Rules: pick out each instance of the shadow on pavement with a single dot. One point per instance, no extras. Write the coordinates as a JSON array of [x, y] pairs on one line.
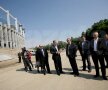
[[92, 67], [21, 69], [81, 75], [68, 69], [89, 76], [32, 72]]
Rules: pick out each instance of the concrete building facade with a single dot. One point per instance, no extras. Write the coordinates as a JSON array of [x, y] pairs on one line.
[[11, 35]]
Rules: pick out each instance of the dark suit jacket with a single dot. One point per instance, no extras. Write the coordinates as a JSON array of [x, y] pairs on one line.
[[41, 56], [80, 48], [72, 50], [105, 47], [86, 48], [99, 46], [37, 55], [53, 52]]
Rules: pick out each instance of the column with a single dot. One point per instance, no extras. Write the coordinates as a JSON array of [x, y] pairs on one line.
[[10, 38], [17, 39], [21, 41], [8, 18], [23, 36], [6, 36], [20, 29], [13, 38], [16, 24], [1, 35], [23, 32], [19, 35]]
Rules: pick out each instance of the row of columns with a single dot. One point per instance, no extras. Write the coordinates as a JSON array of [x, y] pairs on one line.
[[10, 38]]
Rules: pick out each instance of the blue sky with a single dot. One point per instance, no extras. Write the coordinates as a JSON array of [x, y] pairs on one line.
[[46, 20]]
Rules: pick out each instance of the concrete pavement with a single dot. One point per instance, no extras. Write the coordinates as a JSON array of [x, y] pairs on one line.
[[15, 78]]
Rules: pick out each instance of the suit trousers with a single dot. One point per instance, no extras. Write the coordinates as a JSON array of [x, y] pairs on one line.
[[99, 58], [73, 64], [47, 65], [57, 63], [84, 58], [106, 59]]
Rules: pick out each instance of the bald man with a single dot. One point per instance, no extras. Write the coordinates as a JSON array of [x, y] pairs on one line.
[[97, 55]]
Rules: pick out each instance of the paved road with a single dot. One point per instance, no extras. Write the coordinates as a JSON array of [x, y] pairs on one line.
[[14, 78]]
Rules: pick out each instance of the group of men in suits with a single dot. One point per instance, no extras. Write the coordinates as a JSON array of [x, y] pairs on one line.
[[42, 56], [96, 48], [42, 60]]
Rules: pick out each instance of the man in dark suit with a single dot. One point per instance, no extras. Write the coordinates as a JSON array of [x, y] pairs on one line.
[[71, 50], [37, 59], [55, 51], [97, 55], [105, 43], [43, 55], [85, 53], [79, 46]]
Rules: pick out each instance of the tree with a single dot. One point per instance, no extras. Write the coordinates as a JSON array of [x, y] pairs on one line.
[[75, 40], [62, 44], [101, 27]]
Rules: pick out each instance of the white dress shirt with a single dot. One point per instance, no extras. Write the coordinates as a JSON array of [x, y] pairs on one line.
[[56, 48], [43, 52], [83, 44], [95, 44]]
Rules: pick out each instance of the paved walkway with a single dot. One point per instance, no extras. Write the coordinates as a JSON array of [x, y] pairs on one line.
[[14, 78], [4, 57]]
